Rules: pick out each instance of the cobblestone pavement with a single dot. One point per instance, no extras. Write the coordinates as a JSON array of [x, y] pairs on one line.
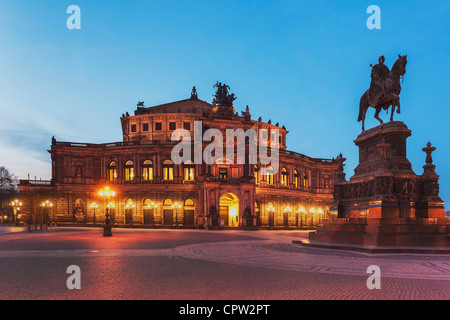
[[199, 264]]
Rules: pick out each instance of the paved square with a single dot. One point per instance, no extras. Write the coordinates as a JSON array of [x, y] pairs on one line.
[[198, 264]]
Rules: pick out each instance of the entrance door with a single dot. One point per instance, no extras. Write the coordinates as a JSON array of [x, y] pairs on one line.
[[168, 217], [223, 212], [188, 218], [112, 216], [128, 216], [286, 219], [148, 217], [229, 209]]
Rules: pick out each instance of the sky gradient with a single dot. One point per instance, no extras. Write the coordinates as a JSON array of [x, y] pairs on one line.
[[304, 64]]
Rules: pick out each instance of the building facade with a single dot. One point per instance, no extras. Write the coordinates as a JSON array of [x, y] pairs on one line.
[[154, 191]]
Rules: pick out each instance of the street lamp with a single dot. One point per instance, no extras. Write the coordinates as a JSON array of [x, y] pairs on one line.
[[16, 204], [94, 206], [152, 206], [176, 206], [271, 211], [107, 193], [129, 206], [302, 212], [287, 210], [46, 205]]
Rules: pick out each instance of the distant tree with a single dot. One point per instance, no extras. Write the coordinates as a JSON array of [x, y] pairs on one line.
[[8, 190], [8, 181]]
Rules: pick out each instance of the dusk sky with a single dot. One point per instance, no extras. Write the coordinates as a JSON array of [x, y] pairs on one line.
[[304, 64]]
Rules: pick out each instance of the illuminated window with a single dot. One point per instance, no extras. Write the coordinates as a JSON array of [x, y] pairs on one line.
[[189, 171], [223, 173], [168, 170], [256, 174], [129, 171], [269, 175], [305, 179], [284, 177], [167, 202], [147, 170], [112, 171], [296, 178], [188, 203]]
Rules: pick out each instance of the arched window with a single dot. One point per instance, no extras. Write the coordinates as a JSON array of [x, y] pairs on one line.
[[129, 171], [296, 179], [168, 170], [284, 177], [256, 174], [189, 171], [305, 179], [189, 203], [129, 203], [167, 202], [269, 175], [112, 171], [148, 203], [147, 170]]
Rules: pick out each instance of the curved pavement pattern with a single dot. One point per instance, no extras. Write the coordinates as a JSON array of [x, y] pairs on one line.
[[266, 250]]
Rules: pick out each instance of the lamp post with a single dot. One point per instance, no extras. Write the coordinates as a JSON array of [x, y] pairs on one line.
[[271, 210], [129, 206], [94, 206], [176, 206], [46, 205], [107, 193], [16, 204], [287, 210], [302, 211], [152, 207]]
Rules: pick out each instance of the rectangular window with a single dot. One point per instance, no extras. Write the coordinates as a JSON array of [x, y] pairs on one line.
[[129, 174], [186, 125], [172, 126], [223, 173], [147, 173], [158, 126], [189, 173], [112, 174], [145, 127], [168, 173], [133, 128]]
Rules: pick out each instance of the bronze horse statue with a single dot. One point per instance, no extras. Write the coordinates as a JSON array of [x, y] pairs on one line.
[[382, 98]]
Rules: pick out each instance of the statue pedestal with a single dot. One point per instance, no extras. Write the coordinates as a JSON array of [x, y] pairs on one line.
[[386, 207]]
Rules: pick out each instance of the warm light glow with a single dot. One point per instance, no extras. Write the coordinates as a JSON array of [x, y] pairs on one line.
[[312, 210], [302, 209], [320, 210]]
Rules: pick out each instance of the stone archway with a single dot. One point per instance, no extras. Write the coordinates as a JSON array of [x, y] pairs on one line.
[[229, 209]]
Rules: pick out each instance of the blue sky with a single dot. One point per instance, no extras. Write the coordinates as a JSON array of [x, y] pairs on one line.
[[303, 64]]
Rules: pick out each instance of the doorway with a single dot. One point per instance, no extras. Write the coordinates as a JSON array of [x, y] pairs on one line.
[[229, 210]]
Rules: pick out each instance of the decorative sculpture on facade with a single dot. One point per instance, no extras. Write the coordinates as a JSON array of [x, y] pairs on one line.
[[222, 97]]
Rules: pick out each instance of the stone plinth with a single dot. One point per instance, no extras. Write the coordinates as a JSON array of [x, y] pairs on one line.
[[385, 205]]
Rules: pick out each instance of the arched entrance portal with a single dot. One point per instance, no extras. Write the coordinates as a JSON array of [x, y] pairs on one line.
[[229, 210]]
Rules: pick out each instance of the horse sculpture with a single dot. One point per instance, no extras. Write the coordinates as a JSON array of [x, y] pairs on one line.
[[383, 92]]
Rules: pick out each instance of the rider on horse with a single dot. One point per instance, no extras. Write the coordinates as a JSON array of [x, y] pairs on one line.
[[379, 74]]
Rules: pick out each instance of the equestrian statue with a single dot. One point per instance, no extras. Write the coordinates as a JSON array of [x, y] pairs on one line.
[[385, 88]]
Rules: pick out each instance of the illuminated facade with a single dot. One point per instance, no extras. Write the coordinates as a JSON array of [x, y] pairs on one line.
[[151, 190]]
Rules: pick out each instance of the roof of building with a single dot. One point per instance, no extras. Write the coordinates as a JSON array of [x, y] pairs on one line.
[[182, 106]]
